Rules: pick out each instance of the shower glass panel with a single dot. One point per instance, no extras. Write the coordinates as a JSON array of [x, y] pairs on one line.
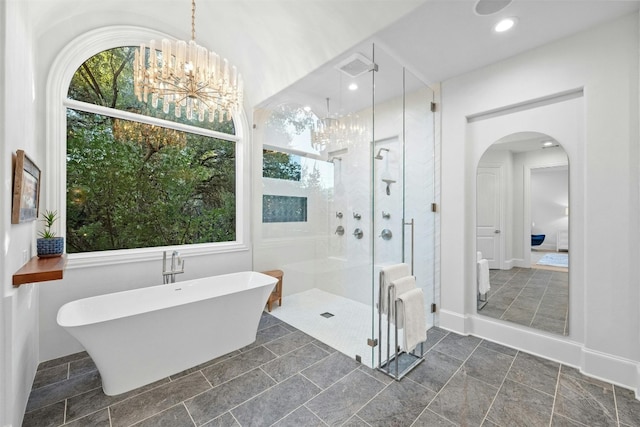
[[347, 158], [403, 180]]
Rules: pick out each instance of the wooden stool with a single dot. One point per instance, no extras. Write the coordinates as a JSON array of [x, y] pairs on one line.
[[276, 295]]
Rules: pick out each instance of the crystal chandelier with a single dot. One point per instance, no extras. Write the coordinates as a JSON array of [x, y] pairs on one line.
[[188, 77], [335, 132]]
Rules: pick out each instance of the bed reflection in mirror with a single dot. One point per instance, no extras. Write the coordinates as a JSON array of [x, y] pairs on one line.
[[522, 232]]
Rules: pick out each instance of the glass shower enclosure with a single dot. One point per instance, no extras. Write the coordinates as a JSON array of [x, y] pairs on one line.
[[348, 188]]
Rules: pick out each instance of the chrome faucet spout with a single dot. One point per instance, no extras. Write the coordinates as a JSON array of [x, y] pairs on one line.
[[177, 267], [174, 256]]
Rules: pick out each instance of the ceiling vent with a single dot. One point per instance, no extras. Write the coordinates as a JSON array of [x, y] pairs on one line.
[[355, 65]]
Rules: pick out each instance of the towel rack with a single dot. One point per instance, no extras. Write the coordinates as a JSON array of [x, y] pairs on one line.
[[412, 224], [400, 363]]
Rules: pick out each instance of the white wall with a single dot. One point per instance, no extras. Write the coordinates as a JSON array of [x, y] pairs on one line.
[[604, 291], [19, 306]]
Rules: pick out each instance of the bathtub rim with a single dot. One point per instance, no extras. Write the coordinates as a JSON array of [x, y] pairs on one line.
[[74, 319]]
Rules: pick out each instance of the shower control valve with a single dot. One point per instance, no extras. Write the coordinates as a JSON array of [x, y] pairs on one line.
[[358, 233], [338, 214], [386, 234], [357, 216]]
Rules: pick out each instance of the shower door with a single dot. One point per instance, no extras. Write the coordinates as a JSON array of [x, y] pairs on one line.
[[403, 181]]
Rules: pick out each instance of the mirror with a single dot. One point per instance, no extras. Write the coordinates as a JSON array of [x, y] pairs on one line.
[[522, 232]]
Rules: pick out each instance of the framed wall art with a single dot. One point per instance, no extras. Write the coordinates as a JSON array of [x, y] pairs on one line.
[[26, 189]]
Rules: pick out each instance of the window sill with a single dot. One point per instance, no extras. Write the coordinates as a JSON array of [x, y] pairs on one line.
[[40, 270], [131, 256]]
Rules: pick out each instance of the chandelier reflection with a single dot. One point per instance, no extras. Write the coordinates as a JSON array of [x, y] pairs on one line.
[[336, 132], [151, 136], [187, 77]]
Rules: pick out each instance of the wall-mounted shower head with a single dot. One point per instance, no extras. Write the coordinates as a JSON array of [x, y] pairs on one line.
[[334, 158], [379, 155]]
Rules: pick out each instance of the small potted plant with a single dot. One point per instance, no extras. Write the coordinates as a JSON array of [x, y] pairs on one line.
[[48, 244]]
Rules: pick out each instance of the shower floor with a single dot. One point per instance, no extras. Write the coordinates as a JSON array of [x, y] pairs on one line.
[[347, 330]]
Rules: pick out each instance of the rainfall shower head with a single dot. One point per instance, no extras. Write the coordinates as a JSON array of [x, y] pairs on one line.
[[379, 155]]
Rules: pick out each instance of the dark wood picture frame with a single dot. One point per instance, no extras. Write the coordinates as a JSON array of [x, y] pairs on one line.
[[26, 190]]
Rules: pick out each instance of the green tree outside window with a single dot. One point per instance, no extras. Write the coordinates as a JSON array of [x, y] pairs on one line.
[[134, 185]]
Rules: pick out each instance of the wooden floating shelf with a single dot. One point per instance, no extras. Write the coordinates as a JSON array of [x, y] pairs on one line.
[[40, 270]]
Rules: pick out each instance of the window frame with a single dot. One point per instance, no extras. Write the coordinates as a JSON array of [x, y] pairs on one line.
[[55, 184]]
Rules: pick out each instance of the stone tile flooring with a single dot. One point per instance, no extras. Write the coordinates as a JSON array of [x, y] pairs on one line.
[[531, 297], [287, 378]]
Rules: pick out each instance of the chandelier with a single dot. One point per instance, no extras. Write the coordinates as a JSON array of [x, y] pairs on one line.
[[335, 132], [188, 77]]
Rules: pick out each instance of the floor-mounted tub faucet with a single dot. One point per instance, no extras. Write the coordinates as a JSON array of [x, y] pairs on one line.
[[169, 276]]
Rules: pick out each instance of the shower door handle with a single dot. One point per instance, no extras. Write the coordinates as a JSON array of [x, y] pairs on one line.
[[412, 224]]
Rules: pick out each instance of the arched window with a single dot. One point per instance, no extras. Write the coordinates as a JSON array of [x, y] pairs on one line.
[[137, 177]]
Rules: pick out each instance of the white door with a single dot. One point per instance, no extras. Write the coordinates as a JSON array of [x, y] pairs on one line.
[[488, 231]]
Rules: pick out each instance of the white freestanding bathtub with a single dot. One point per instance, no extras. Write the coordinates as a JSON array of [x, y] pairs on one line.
[[139, 336]]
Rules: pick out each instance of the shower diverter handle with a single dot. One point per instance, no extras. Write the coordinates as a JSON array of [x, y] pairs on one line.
[[358, 233]]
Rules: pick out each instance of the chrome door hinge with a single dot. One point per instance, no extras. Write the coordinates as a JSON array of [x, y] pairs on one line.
[[433, 107], [434, 207], [372, 342], [433, 307]]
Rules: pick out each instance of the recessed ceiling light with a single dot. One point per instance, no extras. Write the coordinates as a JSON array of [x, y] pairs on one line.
[[353, 86], [547, 143], [504, 25]]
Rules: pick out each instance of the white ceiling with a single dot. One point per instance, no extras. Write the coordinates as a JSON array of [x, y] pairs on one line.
[[272, 42], [446, 38], [442, 39], [276, 43]]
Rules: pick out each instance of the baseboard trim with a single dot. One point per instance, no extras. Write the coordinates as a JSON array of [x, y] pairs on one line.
[[616, 370], [453, 322], [518, 262], [638, 382], [549, 346], [606, 367]]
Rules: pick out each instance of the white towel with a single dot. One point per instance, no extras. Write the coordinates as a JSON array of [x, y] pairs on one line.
[[396, 271], [483, 276], [415, 326], [387, 275], [401, 286], [478, 256]]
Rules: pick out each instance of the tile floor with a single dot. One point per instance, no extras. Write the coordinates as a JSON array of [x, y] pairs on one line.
[[346, 330], [287, 378], [533, 297]]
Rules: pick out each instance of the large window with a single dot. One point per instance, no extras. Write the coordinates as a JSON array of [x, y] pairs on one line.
[[137, 177]]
